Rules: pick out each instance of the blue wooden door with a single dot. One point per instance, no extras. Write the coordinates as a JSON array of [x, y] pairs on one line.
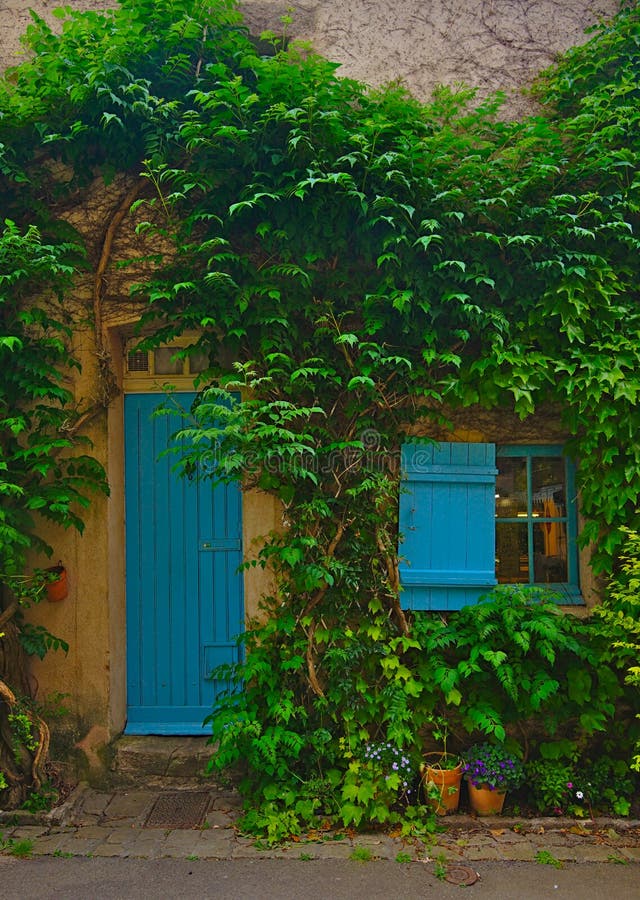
[[184, 590]]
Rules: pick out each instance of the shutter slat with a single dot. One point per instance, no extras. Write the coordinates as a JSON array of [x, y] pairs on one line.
[[444, 577], [455, 474]]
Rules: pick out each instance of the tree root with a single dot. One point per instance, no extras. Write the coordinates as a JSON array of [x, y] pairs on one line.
[[24, 768]]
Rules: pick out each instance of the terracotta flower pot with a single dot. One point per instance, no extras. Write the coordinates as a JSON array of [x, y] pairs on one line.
[[446, 780], [58, 588], [484, 801]]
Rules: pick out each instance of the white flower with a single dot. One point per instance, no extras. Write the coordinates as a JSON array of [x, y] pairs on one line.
[[579, 795]]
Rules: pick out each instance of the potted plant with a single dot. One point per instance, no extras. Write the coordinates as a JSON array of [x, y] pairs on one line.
[[441, 773], [56, 583], [491, 770]]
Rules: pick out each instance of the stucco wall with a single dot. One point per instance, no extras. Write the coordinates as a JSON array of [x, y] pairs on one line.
[[489, 44]]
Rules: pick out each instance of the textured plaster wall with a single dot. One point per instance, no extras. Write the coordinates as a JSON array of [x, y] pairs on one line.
[[489, 44], [88, 619]]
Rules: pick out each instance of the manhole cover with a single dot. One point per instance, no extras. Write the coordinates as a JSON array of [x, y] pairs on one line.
[[178, 809], [462, 875]]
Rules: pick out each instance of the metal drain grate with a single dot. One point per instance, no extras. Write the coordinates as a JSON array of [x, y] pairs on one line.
[[178, 809]]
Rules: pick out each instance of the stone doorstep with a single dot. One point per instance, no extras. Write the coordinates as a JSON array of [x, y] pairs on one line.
[[139, 758]]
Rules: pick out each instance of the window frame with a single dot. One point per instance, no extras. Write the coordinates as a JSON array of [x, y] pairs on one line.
[[569, 590], [447, 517]]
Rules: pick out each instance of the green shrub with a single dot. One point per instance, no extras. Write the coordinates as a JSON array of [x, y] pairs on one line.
[[515, 657], [591, 781], [606, 784], [619, 617], [514, 668], [550, 784]]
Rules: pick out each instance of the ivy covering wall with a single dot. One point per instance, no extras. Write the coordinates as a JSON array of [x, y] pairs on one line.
[[368, 262]]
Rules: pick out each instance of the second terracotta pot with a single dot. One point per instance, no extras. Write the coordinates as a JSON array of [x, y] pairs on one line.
[[484, 801]]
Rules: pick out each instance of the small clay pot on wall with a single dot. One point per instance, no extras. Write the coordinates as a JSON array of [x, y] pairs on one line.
[[58, 587]]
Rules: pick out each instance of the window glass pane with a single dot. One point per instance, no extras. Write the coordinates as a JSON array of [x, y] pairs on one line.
[[533, 547], [550, 553], [198, 362], [511, 487], [547, 483], [163, 362], [138, 361], [512, 563]]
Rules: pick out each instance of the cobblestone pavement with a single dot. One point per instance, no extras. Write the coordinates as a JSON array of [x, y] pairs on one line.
[[114, 824]]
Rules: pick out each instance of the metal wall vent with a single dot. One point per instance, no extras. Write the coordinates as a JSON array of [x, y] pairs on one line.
[[138, 361]]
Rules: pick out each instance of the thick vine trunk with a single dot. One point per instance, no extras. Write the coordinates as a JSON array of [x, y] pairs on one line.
[[22, 767]]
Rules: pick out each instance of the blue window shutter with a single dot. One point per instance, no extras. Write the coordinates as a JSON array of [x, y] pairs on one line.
[[447, 524]]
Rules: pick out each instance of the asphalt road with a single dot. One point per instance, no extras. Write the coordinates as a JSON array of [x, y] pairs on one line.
[[80, 878]]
